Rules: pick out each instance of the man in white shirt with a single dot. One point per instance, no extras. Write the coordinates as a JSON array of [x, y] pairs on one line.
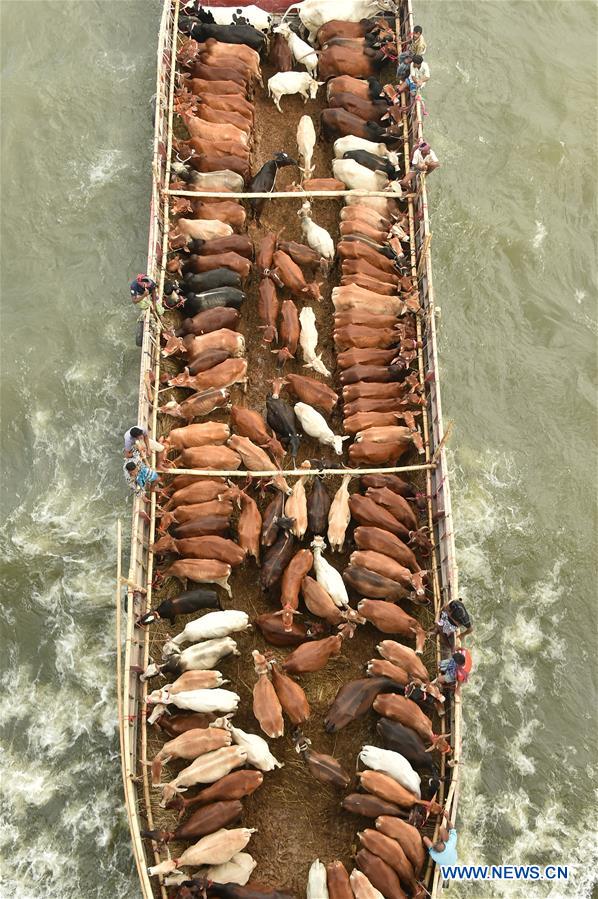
[[423, 162], [420, 71]]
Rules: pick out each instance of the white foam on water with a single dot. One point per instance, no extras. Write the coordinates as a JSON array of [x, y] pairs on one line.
[[504, 695], [539, 236]]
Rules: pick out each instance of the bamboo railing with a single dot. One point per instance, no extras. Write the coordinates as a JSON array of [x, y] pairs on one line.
[[132, 694]]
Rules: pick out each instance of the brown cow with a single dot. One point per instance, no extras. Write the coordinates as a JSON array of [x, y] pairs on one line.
[[230, 104], [280, 56], [352, 249], [340, 123], [377, 453], [213, 133], [232, 261], [368, 283], [323, 184], [365, 109], [357, 356], [229, 211], [341, 60], [362, 337], [355, 423], [232, 371], [236, 243], [214, 162], [364, 267], [220, 73], [249, 56], [204, 88], [340, 28], [290, 275], [221, 116], [363, 317]]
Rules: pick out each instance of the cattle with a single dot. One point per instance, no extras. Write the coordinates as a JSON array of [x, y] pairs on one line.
[[228, 104], [201, 87], [343, 60], [220, 73], [198, 228], [222, 63], [374, 163], [263, 181], [207, 113], [252, 15], [247, 54], [358, 177], [232, 261], [215, 162], [211, 131], [284, 83], [340, 28], [364, 109], [315, 13], [340, 123], [323, 184], [363, 229], [194, 282], [230, 211], [280, 56], [227, 34], [302, 52], [236, 243]]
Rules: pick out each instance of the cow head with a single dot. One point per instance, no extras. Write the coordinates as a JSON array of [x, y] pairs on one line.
[[313, 88], [173, 344], [283, 159], [417, 579], [164, 544]]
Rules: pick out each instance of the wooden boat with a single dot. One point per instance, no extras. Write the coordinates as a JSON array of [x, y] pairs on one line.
[[297, 818]]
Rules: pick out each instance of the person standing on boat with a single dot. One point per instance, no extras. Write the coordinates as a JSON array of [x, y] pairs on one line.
[[453, 617], [444, 850], [144, 295], [138, 442]]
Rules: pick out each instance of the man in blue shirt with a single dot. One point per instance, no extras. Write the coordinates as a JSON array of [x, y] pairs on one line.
[[444, 850]]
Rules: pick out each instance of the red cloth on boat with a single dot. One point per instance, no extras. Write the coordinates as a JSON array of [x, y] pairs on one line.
[[267, 5]]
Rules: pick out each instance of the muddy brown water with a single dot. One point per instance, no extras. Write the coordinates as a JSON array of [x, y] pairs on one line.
[[297, 818]]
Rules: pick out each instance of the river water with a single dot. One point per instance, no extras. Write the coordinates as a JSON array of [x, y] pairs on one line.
[[512, 112]]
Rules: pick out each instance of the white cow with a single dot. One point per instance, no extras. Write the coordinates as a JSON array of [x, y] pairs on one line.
[[314, 13], [309, 341], [317, 237], [358, 177], [306, 141], [302, 52], [393, 764], [226, 15], [314, 424], [216, 700], [292, 83], [350, 142]]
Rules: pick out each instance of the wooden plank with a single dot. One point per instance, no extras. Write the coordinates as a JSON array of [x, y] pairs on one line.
[[294, 472]]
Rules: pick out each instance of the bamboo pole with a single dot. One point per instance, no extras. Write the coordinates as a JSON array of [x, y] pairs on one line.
[[294, 472], [281, 194]]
